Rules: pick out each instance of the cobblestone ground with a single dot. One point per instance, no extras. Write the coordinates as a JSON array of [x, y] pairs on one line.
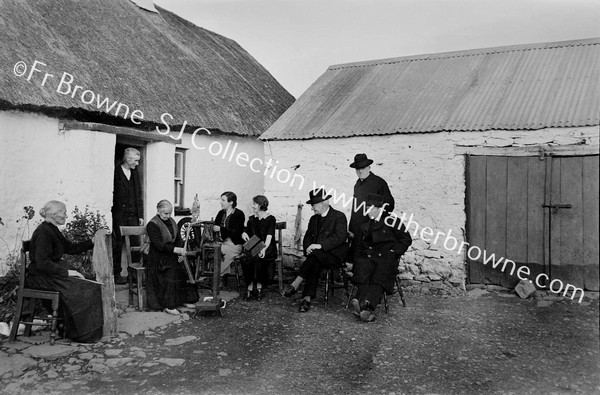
[[486, 342]]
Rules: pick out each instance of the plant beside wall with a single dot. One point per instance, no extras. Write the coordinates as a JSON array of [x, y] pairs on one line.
[[82, 226], [9, 264]]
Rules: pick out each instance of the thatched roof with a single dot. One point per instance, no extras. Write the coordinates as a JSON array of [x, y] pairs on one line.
[[154, 62], [520, 87]]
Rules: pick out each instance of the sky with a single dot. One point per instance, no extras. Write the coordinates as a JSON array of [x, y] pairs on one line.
[[296, 40]]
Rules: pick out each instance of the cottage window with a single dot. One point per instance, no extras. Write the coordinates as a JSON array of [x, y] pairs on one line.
[[179, 177]]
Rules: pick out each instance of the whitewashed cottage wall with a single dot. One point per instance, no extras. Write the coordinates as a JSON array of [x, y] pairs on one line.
[[426, 177], [210, 175], [39, 162]]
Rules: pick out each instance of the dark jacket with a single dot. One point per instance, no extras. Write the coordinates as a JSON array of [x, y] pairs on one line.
[[234, 227], [263, 228], [378, 252], [332, 233], [161, 246], [159, 241], [120, 195], [80, 301], [166, 279], [362, 189], [48, 245]]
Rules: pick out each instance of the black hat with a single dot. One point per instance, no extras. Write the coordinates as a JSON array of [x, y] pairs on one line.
[[360, 161], [317, 196], [375, 199]]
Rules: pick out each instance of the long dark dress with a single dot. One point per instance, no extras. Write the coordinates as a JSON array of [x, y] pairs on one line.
[[80, 300], [167, 282], [255, 268]]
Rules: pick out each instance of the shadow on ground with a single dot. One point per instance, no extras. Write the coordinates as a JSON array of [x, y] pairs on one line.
[[492, 343]]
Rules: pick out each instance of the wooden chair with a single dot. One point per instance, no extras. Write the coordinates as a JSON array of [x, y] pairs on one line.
[[279, 227], [330, 277], [236, 268], [330, 283], [385, 295], [135, 270], [32, 295], [400, 292]]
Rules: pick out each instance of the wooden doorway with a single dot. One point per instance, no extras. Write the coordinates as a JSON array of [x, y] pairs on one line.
[[120, 146], [538, 212]]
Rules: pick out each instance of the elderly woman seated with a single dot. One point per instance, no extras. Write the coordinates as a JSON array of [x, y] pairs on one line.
[[80, 300], [167, 286], [230, 225]]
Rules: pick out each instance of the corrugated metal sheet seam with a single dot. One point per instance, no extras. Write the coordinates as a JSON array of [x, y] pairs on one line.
[[527, 88]]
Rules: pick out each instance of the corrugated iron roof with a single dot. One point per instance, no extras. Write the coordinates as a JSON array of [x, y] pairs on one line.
[[521, 87]]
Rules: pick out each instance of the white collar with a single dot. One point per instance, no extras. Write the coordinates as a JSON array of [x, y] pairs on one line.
[[126, 172], [325, 213]]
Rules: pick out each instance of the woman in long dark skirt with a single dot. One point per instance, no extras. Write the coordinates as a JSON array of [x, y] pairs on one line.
[[80, 301], [262, 225], [167, 284]]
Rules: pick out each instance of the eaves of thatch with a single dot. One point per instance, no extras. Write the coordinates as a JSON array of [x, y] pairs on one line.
[[153, 62]]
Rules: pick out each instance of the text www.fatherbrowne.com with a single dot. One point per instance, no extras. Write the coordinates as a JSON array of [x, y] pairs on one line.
[[450, 243]]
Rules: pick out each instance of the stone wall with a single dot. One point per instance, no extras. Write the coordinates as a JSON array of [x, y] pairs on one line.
[[426, 177]]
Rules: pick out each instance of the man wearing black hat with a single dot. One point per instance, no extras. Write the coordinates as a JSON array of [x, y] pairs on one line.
[[324, 246], [377, 253], [366, 184]]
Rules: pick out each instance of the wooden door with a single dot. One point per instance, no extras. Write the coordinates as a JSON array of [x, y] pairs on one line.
[[573, 231], [506, 217]]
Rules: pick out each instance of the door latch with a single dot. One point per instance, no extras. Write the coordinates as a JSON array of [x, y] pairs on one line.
[[556, 207]]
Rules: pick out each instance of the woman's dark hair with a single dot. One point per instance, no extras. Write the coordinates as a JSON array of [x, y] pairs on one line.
[[262, 201], [231, 198]]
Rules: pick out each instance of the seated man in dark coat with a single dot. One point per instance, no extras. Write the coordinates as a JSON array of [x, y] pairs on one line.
[[376, 257], [324, 244]]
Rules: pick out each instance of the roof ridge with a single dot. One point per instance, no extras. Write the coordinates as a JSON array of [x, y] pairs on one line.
[[468, 53]]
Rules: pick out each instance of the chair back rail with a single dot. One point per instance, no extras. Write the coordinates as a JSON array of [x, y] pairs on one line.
[[135, 270], [32, 295], [280, 226], [128, 232], [24, 251]]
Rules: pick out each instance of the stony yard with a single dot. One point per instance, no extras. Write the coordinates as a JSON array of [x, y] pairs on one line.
[[486, 342]]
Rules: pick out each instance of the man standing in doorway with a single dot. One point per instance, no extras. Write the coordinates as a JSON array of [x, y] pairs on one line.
[[366, 184], [127, 204]]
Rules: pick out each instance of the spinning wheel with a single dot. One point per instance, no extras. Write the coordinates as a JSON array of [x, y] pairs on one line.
[[198, 260], [190, 236]]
